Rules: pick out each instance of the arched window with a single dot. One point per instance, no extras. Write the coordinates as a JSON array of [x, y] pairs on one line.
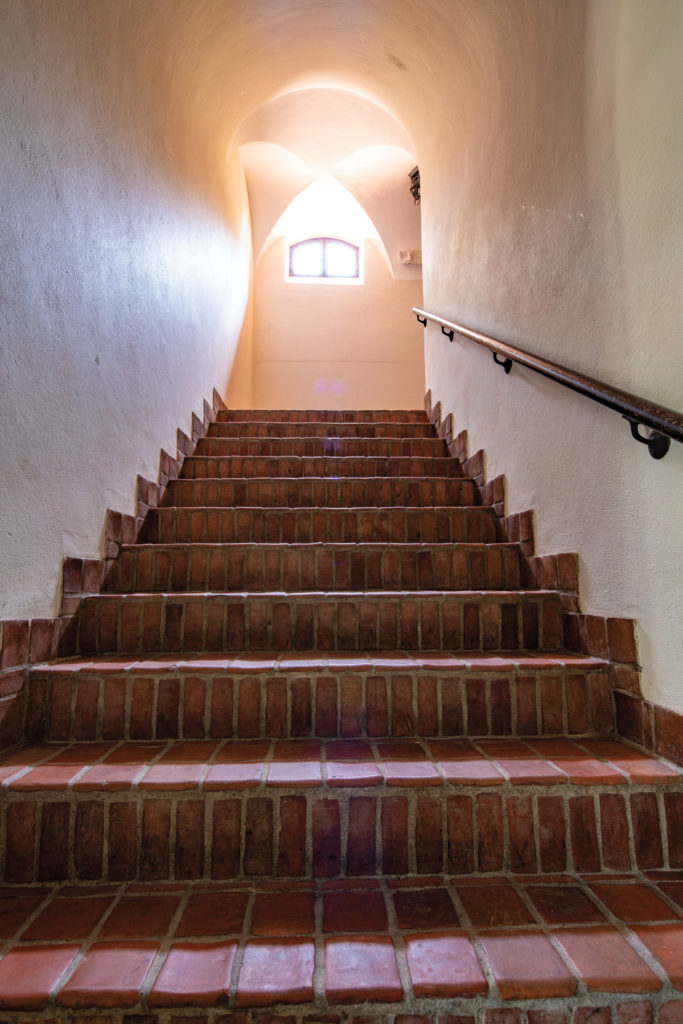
[[324, 258]]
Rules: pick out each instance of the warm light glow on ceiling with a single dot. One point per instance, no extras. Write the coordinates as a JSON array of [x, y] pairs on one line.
[[324, 208]]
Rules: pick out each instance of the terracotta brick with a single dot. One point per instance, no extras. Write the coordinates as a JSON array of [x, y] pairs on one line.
[[225, 851], [109, 976], [614, 829], [494, 905], [20, 842], [526, 706], [326, 707], [394, 812], [444, 964], [427, 707], [459, 816], [592, 1015], [526, 966], [283, 913], [671, 1012], [552, 833], [213, 913], [326, 838], [155, 843], [276, 970], [199, 973], [428, 835], [189, 844], [673, 805], [583, 833], [249, 708], [89, 840], [221, 707], [123, 840], [621, 640], [668, 727], [360, 968], [490, 828], [646, 830], [605, 960], [351, 706], [141, 709], [292, 839], [258, 836], [522, 834], [29, 975]]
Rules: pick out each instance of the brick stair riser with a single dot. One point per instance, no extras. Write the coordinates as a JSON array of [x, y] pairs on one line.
[[202, 468], [579, 1009], [329, 832], [305, 526], [317, 493], [363, 431], [254, 567], [598, 1007], [511, 621], [195, 705], [316, 447], [321, 416]]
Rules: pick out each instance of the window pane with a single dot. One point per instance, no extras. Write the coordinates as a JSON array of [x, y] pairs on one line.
[[306, 259], [341, 259]]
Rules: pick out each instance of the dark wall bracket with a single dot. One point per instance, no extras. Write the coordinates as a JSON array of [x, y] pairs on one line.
[[658, 445], [505, 363]]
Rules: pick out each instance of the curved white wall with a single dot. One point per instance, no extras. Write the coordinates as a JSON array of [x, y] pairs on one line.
[[122, 292], [555, 224]]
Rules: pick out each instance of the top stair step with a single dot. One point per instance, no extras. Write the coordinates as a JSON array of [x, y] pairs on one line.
[[323, 415]]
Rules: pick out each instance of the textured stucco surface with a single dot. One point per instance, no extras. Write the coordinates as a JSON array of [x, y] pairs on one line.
[[548, 137], [333, 345]]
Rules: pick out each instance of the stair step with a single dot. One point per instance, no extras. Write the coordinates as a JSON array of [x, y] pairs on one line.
[[314, 447], [278, 430], [317, 492], [244, 808], [475, 524], [428, 947], [324, 695], [322, 416], [525, 620], [292, 567], [326, 466]]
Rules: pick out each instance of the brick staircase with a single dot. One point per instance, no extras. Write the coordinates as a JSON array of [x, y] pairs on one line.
[[315, 752]]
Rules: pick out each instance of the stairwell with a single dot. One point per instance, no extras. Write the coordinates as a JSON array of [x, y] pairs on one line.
[[318, 752]]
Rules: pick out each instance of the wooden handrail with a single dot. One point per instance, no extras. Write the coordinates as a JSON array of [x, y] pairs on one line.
[[665, 423]]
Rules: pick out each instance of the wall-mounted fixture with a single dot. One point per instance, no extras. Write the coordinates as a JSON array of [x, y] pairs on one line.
[[415, 185], [410, 256]]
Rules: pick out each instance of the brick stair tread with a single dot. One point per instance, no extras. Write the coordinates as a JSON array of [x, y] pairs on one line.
[[275, 429], [307, 446], [215, 764], [235, 467], [424, 945], [350, 492], [338, 566], [385, 524]]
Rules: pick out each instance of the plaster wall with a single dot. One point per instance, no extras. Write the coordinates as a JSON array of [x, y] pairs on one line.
[[548, 139], [122, 290], [339, 346], [555, 224]]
